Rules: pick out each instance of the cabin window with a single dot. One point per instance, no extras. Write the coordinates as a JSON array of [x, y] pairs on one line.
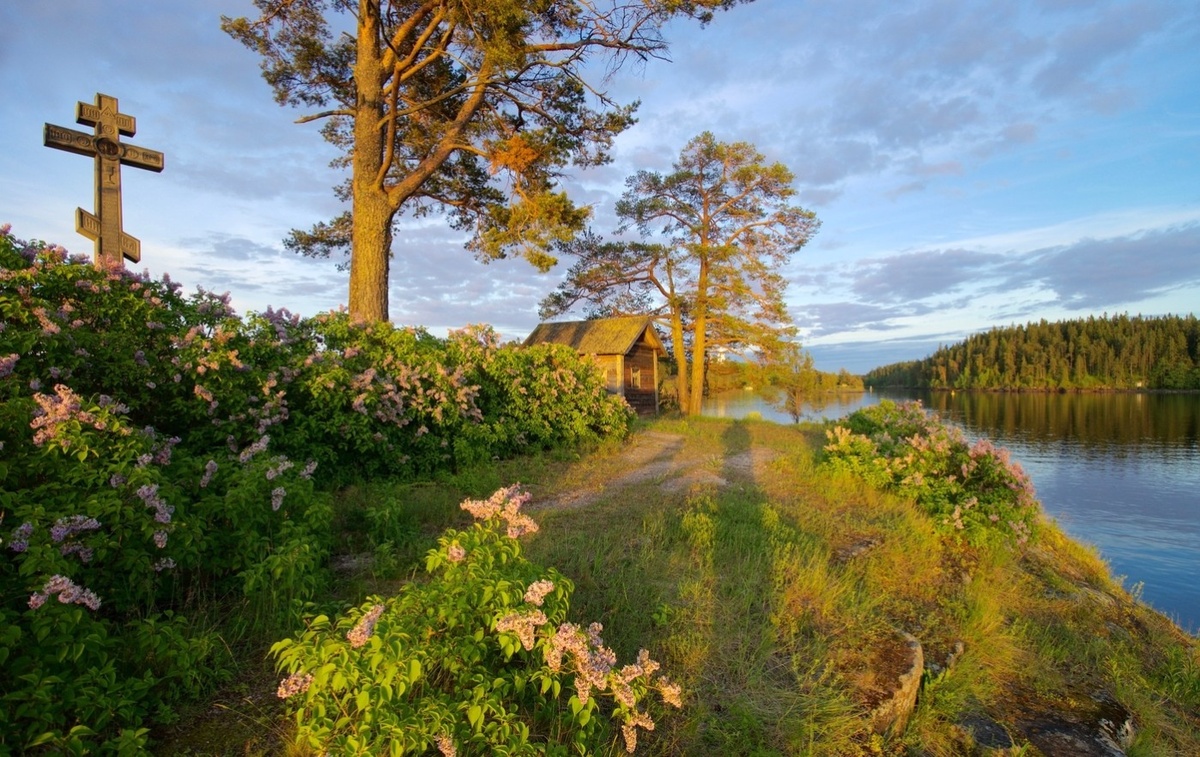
[[613, 382], [635, 378]]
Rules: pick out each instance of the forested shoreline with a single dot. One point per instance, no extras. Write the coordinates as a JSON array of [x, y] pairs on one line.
[[1106, 353]]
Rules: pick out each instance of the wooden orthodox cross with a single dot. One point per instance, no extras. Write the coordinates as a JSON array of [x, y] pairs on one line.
[[104, 228]]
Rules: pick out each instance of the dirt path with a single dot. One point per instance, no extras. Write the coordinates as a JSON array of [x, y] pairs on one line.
[[662, 458]]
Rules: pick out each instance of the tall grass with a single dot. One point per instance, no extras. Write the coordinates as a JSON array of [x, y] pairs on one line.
[[771, 597]]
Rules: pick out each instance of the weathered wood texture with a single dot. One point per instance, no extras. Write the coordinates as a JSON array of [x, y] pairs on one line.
[[103, 227], [626, 349]]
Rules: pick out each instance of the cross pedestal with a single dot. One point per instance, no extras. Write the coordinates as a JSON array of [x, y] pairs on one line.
[[110, 153]]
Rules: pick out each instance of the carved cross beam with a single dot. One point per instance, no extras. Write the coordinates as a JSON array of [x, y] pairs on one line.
[[110, 153]]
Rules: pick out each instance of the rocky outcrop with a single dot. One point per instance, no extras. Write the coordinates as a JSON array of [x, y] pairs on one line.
[[1105, 729], [891, 715]]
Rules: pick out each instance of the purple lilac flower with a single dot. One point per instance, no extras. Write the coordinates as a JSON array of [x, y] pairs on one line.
[[68, 593], [445, 745], [116, 407], [523, 624], [296, 683], [164, 564], [162, 456], [20, 537], [277, 495], [49, 327], [65, 528], [210, 470], [537, 591], [7, 363], [255, 448], [308, 470], [149, 495], [85, 553], [55, 410], [160, 539], [279, 321], [282, 465], [364, 627]]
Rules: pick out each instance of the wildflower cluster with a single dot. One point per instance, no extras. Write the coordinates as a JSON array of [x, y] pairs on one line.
[[975, 489]]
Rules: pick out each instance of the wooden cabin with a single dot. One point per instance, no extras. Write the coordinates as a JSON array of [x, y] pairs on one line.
[[627, 350]]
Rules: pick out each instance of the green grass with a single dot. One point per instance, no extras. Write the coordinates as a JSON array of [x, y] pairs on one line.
[[774, 597]]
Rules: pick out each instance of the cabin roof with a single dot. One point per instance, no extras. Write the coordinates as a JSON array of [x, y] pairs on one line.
[[601, 336]]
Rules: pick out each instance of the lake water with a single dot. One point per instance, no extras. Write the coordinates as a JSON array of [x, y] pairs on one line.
[[1120, 471]]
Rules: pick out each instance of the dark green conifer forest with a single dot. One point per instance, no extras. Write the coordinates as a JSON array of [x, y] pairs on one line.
[[1096, 353]]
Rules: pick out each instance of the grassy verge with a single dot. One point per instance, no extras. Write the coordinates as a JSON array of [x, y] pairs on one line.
[[775, 592]]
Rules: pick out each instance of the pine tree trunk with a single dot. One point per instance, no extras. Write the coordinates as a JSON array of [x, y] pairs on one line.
[[699, 346], [699, 337], [371, 244], [681, 365]]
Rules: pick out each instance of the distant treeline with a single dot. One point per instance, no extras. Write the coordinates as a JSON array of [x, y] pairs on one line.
[[731, 374], [1109, 352]]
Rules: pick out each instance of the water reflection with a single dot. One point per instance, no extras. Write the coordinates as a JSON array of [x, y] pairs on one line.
[[1120, 471], [1088, 420]]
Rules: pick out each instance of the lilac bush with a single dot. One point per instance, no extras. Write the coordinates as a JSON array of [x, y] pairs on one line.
[[975, 490], [532, 398], [160, 454], [479, 657]]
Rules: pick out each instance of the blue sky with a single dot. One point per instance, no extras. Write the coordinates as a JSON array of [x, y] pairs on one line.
[[974, 163]]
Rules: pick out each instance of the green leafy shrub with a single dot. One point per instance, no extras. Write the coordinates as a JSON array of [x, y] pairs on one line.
[[475, 658], [973, 489], [91, 549], [532, 398]]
